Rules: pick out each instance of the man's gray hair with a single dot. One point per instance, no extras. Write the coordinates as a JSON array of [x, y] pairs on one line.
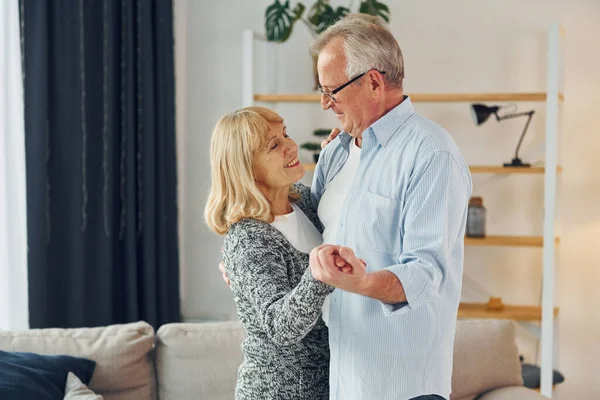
[[368, 44]]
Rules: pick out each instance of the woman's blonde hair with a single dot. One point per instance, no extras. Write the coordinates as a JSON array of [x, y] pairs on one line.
[[234, 193]]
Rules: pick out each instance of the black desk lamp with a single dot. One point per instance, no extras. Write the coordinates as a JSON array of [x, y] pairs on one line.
[[481, 113]]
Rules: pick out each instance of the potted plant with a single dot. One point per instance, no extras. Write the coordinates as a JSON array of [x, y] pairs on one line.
[[315, 147], [280, 19]]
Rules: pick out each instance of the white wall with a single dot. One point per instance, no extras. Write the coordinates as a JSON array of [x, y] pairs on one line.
[[458, 46]]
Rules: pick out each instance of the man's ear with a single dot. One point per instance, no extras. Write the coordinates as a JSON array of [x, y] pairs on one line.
[[375, 81]]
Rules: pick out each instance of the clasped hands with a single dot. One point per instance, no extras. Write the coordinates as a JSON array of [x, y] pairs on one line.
[[334, 265], [338, 266]]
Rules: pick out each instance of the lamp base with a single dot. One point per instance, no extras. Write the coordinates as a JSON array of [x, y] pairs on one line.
[[516, 162]]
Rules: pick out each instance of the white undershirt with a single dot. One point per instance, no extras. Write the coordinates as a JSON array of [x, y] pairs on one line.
[[298, 230], [331, 202], [330, 205]]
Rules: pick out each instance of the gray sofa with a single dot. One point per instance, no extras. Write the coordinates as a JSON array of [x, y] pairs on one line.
[[200, 360]]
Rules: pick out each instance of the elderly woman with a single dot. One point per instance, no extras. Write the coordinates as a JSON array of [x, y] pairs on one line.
[[270, 227]]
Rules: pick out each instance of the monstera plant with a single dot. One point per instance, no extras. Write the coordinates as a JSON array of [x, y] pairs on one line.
[[280, 19]]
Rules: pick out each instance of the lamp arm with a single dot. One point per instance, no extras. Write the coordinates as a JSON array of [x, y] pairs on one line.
[[508, 116], [530, 113]]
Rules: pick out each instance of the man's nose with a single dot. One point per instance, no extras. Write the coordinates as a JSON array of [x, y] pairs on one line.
[[325, 102]]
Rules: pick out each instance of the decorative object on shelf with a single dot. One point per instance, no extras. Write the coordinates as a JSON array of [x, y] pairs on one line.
[[476, 218], [481, 113], [314, 146], [495, 304], [280, 19]]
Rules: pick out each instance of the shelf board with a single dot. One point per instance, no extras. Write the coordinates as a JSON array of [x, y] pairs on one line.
[[497, 240], [511, 312], [495, 169], [486, 169], [418, 97]]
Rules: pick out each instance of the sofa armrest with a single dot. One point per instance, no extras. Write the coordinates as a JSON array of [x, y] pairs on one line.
[[512, 393], [122, 352]]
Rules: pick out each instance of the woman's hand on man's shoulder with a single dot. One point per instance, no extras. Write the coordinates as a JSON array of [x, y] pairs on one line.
[[332, 135]]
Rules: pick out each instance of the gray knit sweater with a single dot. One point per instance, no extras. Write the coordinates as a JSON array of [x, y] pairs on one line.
[[286, 350]]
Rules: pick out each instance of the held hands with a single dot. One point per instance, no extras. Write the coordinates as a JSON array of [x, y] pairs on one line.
[[338, 266], [327, 263]]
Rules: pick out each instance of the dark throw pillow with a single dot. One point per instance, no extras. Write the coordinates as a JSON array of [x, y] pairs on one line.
[[29, 376], [531, 376]]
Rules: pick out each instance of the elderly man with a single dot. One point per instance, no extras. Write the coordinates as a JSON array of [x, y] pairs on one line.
[[394, 188]]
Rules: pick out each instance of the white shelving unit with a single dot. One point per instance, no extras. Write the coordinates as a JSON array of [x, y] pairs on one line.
[[541, 321]]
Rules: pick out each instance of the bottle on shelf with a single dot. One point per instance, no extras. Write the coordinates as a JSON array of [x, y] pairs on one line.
[[476, 218]]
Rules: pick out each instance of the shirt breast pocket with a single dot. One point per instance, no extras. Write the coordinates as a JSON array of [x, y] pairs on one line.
[[381, 224]]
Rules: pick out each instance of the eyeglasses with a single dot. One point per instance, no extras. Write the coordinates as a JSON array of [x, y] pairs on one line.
[[335, 91]]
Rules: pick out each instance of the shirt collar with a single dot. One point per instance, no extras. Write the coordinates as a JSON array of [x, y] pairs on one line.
[[385, 127], [345, 138]]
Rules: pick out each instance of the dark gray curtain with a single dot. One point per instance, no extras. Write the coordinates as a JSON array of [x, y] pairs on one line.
[[101, 162]]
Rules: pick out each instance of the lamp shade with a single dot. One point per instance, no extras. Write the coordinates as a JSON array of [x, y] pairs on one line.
[[481, 113]]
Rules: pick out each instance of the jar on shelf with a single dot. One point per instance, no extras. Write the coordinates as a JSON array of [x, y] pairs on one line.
[[476, 218]]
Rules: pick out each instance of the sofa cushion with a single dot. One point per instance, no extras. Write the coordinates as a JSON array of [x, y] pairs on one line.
[[124, 368], [40, 377], [485, 358], [77, 390], [198, 360]]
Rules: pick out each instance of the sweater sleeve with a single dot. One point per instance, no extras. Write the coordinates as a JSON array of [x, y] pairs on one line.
[[257, 270]]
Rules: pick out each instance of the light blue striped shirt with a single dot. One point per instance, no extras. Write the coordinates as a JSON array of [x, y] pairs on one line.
[[405, 212]]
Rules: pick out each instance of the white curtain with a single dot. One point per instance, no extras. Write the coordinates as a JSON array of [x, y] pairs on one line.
[[14, 314]]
